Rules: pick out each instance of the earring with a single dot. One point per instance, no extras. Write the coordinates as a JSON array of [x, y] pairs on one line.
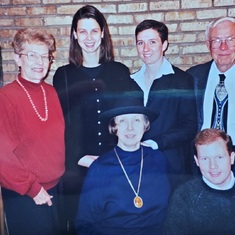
[[75, 35]]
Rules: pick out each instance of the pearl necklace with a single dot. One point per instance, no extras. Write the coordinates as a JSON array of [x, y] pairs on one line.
[[32, 103], [138, 201]]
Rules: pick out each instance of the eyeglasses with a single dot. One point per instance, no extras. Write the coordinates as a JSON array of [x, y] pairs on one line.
[[34, 57], [216, 43]]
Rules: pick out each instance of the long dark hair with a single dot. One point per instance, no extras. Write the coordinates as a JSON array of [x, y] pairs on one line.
[[106, 47]]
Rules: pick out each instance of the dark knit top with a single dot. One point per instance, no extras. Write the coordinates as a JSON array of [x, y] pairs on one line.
[[195, 208], [83, 93], [106, 202], [32, 152]]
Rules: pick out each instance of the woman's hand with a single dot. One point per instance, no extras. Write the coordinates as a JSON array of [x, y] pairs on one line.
[[43, 198], [87, 160]]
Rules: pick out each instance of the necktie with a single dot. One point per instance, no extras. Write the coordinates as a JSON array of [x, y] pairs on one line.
[[220, 89], [219, 117]]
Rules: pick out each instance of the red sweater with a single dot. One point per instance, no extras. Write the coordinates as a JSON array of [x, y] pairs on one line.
[[32, 152]]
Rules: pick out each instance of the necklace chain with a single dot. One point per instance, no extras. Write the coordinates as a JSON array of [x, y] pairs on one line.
[[32, 103], [140, 175]]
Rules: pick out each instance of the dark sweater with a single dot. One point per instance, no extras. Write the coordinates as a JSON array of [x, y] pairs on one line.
[[106, 203], [195, 208], [84, 93]]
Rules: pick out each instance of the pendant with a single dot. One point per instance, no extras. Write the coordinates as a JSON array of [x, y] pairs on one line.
[[138, 202]]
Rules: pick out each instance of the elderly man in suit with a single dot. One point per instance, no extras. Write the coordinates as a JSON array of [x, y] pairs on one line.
[[214, 81]]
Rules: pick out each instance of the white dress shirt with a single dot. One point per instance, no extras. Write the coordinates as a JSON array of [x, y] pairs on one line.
[[229, 83], [166, 68]]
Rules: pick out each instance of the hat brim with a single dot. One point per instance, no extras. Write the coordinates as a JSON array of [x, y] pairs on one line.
[[108, 115]]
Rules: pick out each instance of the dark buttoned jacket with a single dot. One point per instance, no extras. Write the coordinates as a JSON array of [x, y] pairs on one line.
[[172, 95], [200, 75]]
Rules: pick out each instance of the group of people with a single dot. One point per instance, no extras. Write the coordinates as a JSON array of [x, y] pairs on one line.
[[103, 151]]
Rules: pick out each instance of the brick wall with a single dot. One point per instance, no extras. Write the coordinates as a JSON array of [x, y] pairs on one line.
[[186, 20]]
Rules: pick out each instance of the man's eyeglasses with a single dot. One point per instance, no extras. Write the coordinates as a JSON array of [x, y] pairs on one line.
[[34, 57], [216, 43]]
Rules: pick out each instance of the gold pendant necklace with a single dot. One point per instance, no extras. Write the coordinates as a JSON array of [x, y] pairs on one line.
[[138, 201], [43, 119]]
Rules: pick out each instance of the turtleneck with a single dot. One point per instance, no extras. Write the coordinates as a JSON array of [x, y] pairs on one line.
[[32, 149], [28, 84], [129, 158], [229, 186]]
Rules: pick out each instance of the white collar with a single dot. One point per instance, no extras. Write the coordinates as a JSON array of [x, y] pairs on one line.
[[166, 68], [139, 78], [229, 186]]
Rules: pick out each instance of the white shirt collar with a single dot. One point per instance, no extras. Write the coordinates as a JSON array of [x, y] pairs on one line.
[[214, 71], [229, 186], [138, 77], [166, 68], [229, 74]]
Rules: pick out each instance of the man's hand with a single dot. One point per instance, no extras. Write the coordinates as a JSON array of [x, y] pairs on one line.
[[43, 198]]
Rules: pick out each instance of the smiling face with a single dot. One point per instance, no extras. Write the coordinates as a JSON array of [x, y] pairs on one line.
[[224, 56], [130, 129], [89, 35], [150, 47], [215, 162], [31, 70]]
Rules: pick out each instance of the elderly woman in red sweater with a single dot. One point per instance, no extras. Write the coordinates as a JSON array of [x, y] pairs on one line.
[[32, 139]]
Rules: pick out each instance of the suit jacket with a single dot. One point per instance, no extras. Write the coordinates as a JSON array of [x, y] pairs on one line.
[[172, 96], [200, 75]]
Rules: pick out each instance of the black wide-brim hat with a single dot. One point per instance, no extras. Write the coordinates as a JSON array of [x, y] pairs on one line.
[[127, 104]]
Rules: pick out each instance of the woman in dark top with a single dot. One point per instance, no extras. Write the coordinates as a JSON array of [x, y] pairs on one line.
[[126, 190], [83, 86]]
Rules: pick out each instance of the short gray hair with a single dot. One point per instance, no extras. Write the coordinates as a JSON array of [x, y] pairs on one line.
[[214, 23]]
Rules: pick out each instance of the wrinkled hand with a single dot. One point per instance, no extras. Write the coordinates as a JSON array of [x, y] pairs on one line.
[[87, 160], [43, 198], [145, 144], [150, 143]]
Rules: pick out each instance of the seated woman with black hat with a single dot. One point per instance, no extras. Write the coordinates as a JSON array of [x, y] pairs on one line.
[[126, 190]]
